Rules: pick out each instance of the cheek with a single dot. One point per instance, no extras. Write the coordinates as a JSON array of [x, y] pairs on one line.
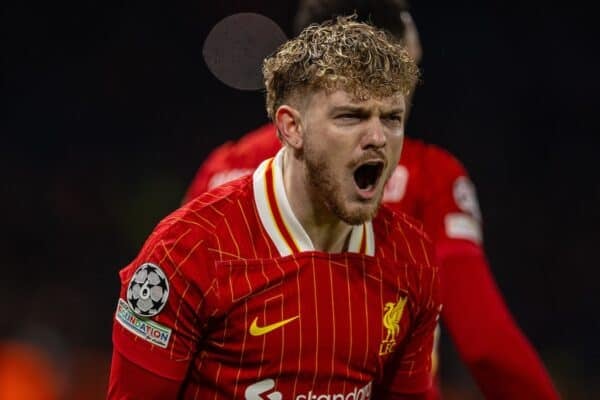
[[335, 146], [395, 144]]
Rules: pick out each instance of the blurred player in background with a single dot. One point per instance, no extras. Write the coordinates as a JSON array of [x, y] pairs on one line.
[[284, 284], [432, 186]]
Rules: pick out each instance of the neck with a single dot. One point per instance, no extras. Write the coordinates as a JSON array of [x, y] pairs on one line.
[[326, 231]]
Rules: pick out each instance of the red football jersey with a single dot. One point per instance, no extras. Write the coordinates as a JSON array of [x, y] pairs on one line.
[[431, 186], [229, 296]]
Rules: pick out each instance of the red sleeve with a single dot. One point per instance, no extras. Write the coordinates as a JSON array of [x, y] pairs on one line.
[[500, 358], [154, 387], [163, 306]]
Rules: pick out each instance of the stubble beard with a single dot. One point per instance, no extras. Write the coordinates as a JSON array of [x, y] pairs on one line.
[[322, 182]]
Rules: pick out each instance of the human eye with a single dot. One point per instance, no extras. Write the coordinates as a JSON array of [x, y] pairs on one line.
[[395, 119], [348, 118]]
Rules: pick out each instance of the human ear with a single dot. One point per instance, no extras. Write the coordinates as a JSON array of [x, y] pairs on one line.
[[289, 126]]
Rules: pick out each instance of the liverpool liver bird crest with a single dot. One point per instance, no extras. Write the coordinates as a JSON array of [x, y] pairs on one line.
[[392, 314]]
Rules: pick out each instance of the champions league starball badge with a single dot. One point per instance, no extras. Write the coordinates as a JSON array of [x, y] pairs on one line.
[[148, 290]]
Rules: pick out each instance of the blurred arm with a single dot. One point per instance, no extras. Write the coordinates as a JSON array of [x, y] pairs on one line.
[[500, 358]]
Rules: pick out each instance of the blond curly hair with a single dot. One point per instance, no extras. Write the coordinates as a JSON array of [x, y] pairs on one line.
[[338, 54]]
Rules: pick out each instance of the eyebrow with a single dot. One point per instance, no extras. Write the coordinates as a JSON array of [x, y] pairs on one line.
[[351, 109], [362, 110], [397, 110]]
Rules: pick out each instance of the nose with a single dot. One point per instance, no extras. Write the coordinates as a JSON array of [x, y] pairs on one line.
[[375, 134]]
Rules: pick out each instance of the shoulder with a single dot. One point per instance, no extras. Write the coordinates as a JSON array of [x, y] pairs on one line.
[[234, 159], [439, 177], [448, 197], [181, 242], [431, 157], [263, 136], [206, 212], [201, 218], [398, 220], [404, 234], [407, 253], [250, 149], [253, 147]]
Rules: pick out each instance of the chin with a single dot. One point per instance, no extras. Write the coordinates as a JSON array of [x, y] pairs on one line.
[[358, 214]]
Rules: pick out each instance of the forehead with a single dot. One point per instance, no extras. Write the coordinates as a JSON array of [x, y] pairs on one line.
[[342, 99]]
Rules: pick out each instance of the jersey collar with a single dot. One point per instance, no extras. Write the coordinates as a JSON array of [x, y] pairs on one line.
[[279, 220]]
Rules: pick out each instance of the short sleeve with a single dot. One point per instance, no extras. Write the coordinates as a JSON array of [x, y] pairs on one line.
[[164, 302]]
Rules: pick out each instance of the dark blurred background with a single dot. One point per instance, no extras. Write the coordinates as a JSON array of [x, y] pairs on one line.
[[108, 109]]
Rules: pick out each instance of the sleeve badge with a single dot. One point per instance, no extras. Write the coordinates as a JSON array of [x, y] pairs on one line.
[[148, 290], [465, 197]]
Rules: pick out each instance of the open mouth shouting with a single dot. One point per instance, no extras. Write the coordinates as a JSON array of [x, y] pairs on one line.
[[366, 177]]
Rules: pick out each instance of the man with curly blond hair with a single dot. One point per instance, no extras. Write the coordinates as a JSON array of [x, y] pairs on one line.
[[293, 283], [433, 186]]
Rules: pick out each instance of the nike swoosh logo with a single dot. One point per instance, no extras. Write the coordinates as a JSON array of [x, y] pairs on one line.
[[256, 330]]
